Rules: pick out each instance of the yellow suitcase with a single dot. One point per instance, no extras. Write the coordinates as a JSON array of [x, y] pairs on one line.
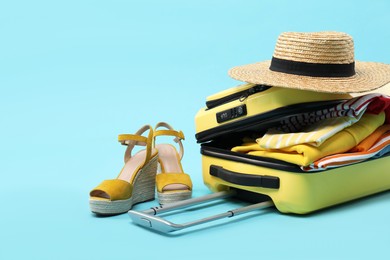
[[237, 112], [290, 189]]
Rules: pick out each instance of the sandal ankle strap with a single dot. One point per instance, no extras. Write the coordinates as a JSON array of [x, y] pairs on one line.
[[132, 140], [179, 135]]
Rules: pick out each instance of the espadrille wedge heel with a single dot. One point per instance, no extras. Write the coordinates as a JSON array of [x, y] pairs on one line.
[[172, 183], [135, 183]]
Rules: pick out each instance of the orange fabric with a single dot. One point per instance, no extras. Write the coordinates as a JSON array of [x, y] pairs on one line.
[[367, 143], [379, 148]]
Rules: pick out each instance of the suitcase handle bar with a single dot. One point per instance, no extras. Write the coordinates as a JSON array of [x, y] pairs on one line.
[[244, 179], [149, 219]]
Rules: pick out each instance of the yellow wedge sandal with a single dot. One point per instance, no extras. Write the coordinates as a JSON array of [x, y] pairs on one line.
[[136, 181], [172, 183]]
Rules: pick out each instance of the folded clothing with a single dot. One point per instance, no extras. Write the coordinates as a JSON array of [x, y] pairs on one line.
[[316, 127], [314, 135], [306, 154], [374, 146], [369, 142]]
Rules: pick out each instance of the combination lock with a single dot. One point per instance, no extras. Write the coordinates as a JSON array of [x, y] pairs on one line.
[[231, 113]]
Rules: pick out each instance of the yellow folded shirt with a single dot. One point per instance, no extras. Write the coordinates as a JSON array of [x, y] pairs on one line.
[[305, 154]]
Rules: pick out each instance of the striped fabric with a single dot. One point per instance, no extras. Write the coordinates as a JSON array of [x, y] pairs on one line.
[[374, 146], [315, 127]]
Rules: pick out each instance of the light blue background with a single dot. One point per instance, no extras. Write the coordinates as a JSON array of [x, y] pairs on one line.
[[74, 74]]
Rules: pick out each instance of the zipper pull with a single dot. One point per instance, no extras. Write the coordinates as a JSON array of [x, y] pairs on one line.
[[243, 96], [250, 91], [253, 90]]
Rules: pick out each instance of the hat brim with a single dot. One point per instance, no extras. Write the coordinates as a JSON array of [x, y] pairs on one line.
[[369, 76]]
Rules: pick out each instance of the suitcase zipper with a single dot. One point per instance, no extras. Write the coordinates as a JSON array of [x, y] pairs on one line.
[[266, 120], [226, 154], [241, 96]]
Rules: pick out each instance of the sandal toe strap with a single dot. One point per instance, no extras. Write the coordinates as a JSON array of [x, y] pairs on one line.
[[164, 179], [113, 190]]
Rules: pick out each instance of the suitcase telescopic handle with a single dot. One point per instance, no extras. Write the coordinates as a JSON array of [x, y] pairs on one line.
[[244, 179], [149, 219]]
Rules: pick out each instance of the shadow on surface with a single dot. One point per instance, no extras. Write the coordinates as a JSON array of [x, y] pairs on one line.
[[345, 206]]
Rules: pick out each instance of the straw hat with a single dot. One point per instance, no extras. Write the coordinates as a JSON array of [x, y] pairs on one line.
[[320, 61]]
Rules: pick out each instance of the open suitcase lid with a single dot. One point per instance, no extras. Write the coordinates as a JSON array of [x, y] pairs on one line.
[[253, 107]]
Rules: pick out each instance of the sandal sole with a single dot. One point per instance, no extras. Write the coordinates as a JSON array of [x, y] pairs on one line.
[[171, 197]]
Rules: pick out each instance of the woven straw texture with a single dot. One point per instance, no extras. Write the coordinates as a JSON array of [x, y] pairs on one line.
[[321, 48]]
